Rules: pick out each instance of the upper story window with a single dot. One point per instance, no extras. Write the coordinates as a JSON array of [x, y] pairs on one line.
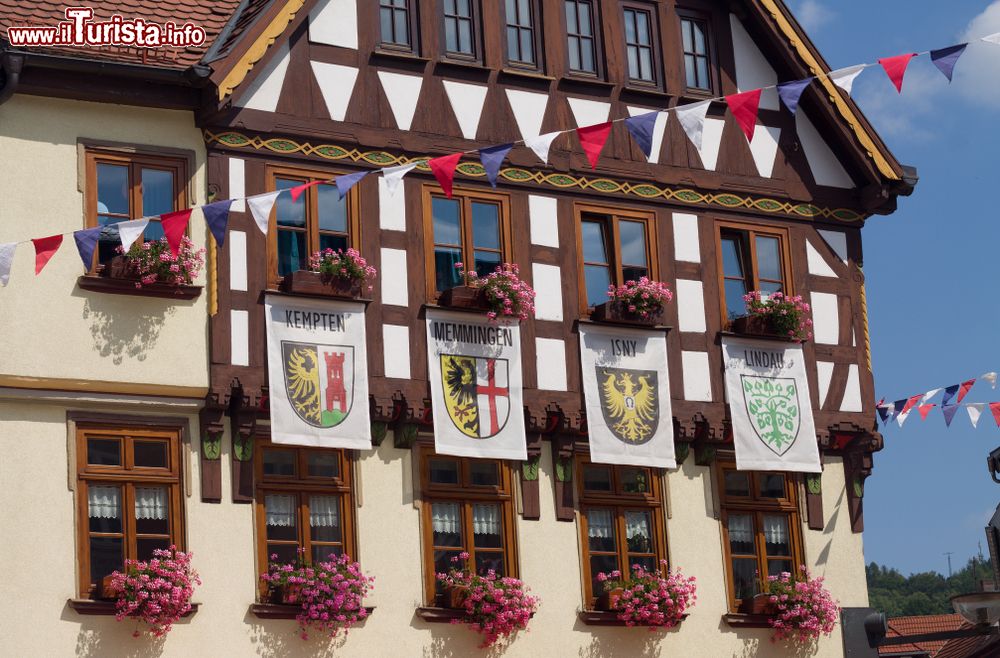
[[582, 40], [696, 46], [640, 43], [760, 523], [752, 259], [522, 34], [621, 515], [615, 247], [467, 506], [304, 504], [398, 25], [471, 228], [461, 29], [129, 498], [124, 186], [319, 219]]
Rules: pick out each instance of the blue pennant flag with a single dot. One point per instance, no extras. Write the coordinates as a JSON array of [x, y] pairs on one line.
[[949, 393], [946, 58], [641, 128], [86, 242], [217, 218], [897, 408], [949, 413], [347, 181], [791, 92], [492, 157], [883, 412]]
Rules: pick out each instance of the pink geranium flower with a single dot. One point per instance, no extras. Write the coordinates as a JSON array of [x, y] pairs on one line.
[[657, 599], [156, 592]]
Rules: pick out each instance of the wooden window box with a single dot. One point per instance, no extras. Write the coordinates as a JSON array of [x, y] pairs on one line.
[[604, 618], [107, 608], [439, 615], [115, 286], [465, 298], [617, 313], [282, 611], [306, 282], [755, 336], [741, 620]]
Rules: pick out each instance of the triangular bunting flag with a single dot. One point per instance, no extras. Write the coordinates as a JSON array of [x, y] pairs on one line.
[[895, 68], [925, 409], [692, 120], [928, 395], [129, 232], [6, 260], [946, 58], [641, 128], [791, 92], [883, 411], [949, 393], [949, 413], [992, 38], [541, 144], [991, 377], [174, 226], [443, 169], [394, 176], [491, 158], [217, 217], [964, 389], [995, 408], [897, 408], [844, 78], [744, 107], [45, 248], [260, 208], [975, 411], [298, 190], [592, 139], [86, 242], [347, 181], [907, 408]]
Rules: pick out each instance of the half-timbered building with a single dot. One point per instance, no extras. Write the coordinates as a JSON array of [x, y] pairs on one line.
[[132, 422]]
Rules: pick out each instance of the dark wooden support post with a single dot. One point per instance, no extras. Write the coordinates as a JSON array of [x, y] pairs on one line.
[[857, 468], [530, 502], [244, 421], [814, 500], [562, 461], [212, 427]]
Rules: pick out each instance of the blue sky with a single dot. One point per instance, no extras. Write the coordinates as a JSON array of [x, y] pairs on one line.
[[931, 268]]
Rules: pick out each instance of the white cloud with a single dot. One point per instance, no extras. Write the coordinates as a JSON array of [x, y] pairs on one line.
[[980, 65], [813, 15]]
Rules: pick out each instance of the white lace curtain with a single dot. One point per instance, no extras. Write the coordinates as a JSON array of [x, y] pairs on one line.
[[103, 502], [324, 511], [637, 525], [280, 510], [445, 518], [740, 528], [600, 524], [776, 530], [151, 503], [486, 519]]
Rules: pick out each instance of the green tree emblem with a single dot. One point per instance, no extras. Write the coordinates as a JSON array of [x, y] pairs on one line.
[[773, 407]]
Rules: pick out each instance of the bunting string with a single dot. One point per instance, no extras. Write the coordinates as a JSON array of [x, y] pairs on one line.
[[950, 403]]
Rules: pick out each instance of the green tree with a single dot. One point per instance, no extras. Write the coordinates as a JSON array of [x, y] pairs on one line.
[[925, 593]]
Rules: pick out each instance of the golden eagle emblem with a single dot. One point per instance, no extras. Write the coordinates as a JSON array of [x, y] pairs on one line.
[[630, 403]]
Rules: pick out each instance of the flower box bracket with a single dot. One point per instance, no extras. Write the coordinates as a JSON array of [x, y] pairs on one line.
[[113, 286], [607, 618], [282, 611], [107, 608]]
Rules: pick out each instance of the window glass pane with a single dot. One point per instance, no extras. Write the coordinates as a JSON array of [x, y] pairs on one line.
[[634, 480], [104, 508], [483, 474], [646, 64], [104, 452], [323, 464], [772, 485], [335, 242], [646, 562], [402, 29], [599, 564], [291, 251], [524, 15], [286, 553], [587, 54], [150, 454], [527, 47], [106, 555], [279, 462], [634, 273], [465, 37], [486, 262], [445, 214], [777, 567], [735, 305], [585, 21], [485, 225], [776, 539], [324, 518], [690, 72], [290, 213], [445, 272], [703, 78], [732, 258], [630, 26], [594, 242], [633, 239], [741, 539], [322, 553], [573, 47], [596, 478], [745, 578], [332, 209], [385, 24], [513, 53], [444, 471], [152, 510], [601, 529], [571, 25], [737, 483], [769, 287], [281, 517], [442, 563], [487, 526], [768, 258], [144, 546], [446, 523], [597, 278], [642, 28], [686, 30], [112, 189], [157, 192], [487, 561], [698, 28], [451, 35], [633, 63], [639, 532]]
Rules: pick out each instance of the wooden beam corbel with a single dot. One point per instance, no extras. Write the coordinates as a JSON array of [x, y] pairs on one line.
[[212, 427], [531, 508], [814, 500], [858, 464], [243, 418], [563, 447]]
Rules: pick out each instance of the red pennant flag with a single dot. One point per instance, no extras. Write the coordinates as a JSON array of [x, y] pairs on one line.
[[912, 402], [925, 409], [444, 170], [963, 390], [174, 225], [592, 139], [299, 189], [744, 107], [44, 249], [995, 408], [895, 68]]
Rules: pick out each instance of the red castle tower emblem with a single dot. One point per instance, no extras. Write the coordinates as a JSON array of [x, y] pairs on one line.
[[335, 382]]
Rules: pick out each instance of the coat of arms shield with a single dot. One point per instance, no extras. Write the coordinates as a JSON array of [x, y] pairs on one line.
[[319, 381], [476, 394], [630, 403], [772, 405]]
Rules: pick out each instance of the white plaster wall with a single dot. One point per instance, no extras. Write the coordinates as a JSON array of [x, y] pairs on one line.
[[752, 69], [236, 242], [826, 318], [402, 91], [391, 207], [697, 378], [690, 305], [837, 241], [467, 104], [824, 375], [237, 184], [547, 282], [394, 277], [686, 242], [852, 392], [239, 337], [711, 142], [396, 350], [588, 112], [336, 83], [817, 266], [265, 90], [550, 363], [88, 335], [335, 23], [528, 108], [824, 164], [544, 218]]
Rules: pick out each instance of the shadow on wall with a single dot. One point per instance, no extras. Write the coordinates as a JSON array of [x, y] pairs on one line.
[[279, 638], [454, 641], [103, 635], [614, 643], [118, 334], [824, 555]]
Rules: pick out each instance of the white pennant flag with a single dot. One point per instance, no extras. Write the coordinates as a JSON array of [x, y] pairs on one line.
[[541, 144], [6, 260], [129, 232], [692, 119], [844, 78], [260, 208], [394, 176], [928, 395], [975, 410], [992, 38], [991, 377]]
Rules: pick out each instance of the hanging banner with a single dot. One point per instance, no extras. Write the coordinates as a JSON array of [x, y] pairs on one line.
[[773, 428], [317, 365], [475, 372], [627, 390]]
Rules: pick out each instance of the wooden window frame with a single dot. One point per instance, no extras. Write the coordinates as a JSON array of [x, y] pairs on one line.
[[536, 26], [758, 507], [477, 55], [620, 501], [128, 476], [654, 39], [615, 215], [413, 25], [467, 196], [135, 161], [465, 495], [299, 485], [596, 24], [686, 13], [311, 195], [752, 231]]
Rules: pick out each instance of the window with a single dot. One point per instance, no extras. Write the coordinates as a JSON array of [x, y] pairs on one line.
[[621, 515], [304, 501], [467, 506], [470, 228], [522, 44], [752, 259], [124, 186], [614, 248], [640, 44], [319, 219], [696, 42], [129, 498], [398, 25], [581, 37], [460, 29], [760, 523]]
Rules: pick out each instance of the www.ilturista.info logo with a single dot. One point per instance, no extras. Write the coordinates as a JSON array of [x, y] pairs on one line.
[[79, 29]]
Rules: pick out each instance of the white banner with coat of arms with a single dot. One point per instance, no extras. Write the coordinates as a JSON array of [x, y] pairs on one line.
[[475, 372], [627, 391], [317, 366], [773, 428]]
